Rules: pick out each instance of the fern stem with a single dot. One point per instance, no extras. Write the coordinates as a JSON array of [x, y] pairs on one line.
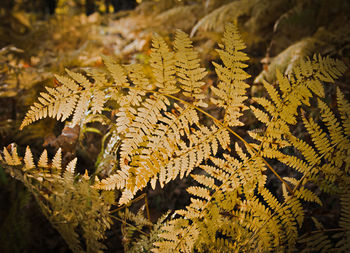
[[126, 223], [143, 195], [147, 208]]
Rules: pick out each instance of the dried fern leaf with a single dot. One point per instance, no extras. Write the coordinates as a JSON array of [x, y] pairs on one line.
[[72, 97], [57, 160], [15, 158], [162, 63], [71, 166], [81, 108], [188, 71], [43, 160], [79, 78], [7, 157], [98, 100], [56, 103], [344, 109], [117, 71], [231, 89], [222, 15], [28, 159]]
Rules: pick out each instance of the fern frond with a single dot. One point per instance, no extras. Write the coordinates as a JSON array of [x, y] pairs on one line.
[[43, 160], [307, 195], [298, 89], [319, 137], [70, 206], [343, 244], [142, 126], [115, 181], [72, 97], [326, 159], [80, 79], [316, 243], [231, 90], [231, 178], [162, 63], [321, 241], [15, 158], [98, 101], [177, 236], [56, 161], [117, 71], [189, 73], [7, 157], [81, 107], [220, 15], [28, 159], [159, 136], [344, 109], [71, 166]]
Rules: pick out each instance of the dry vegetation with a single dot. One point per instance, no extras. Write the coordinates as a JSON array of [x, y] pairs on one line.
[[179, 126]]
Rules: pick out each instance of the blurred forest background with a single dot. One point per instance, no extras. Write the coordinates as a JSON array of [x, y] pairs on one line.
[[40, 38]]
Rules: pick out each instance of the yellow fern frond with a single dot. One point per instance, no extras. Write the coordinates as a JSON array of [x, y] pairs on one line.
[[71, 166], [162, 63], [115, 181], [326, 159], [72, 97], [335, 130], [70, 206], [177, 236], [7, 157], [189, 73], [117, 71], [344, 109], [199, 191], [321, 241], [155, 136], [231, 90], [295, 91], [307, 195], [81, 107], [319, 137], [28, 159], [98, 100], [56, 161], [43, 160], [79, 78], [137, 76], [15, 158]]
